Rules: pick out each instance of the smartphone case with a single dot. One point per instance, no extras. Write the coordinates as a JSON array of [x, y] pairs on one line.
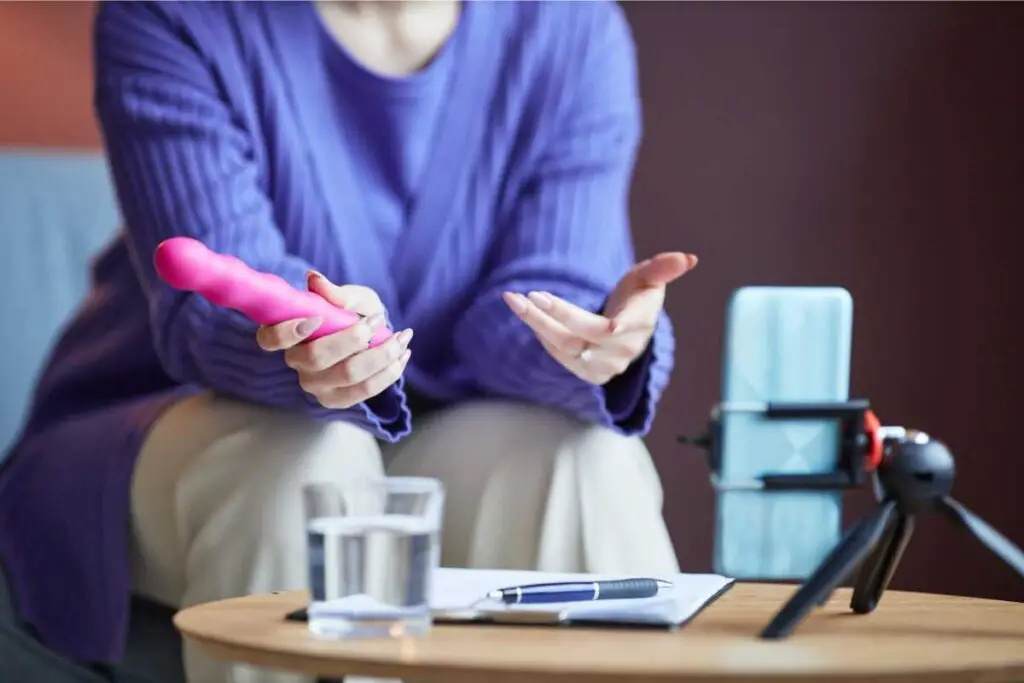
[[781, 344]]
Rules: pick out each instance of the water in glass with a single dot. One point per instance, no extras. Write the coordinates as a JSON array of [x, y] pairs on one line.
[[373, 545]]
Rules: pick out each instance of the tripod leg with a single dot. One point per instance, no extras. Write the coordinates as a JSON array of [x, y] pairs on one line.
[[857, 543], [876, 572], [992, 539]]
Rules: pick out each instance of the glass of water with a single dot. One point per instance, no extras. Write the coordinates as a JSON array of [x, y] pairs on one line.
[[373, 545]]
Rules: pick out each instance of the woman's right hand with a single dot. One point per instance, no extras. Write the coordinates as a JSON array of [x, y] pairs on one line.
[[340, 370]]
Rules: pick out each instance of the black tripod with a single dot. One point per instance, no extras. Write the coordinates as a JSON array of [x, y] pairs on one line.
[[913, 475]]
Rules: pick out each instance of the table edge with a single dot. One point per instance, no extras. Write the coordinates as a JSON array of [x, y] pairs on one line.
[[353, 664]]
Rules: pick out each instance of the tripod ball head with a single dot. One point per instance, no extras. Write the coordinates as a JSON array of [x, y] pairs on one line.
[[916, 470]]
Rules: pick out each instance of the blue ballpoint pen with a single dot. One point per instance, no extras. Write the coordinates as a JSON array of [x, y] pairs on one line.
[[620, 589]]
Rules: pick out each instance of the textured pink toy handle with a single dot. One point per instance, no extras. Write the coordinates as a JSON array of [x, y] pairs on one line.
[[188, 264]]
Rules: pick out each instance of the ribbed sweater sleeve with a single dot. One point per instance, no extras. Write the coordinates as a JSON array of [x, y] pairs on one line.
[[183, 165], [569, 234]]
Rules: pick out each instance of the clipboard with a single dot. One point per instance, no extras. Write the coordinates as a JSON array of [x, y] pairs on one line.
[[455, 599], [522, 617]]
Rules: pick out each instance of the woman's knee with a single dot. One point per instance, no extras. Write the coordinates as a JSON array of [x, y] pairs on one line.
[[265, 457], [602, 507], [217, 474], [589, 466], [208, 444], [506, 434], [528, 486]]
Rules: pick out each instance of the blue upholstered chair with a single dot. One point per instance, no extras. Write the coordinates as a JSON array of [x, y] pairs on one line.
[[57, 210]]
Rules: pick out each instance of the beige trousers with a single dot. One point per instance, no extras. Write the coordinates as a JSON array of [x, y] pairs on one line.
[[217, 510]]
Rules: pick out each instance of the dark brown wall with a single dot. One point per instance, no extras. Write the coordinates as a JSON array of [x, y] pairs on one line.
[[46, 75], [874, 146], [879, 147]]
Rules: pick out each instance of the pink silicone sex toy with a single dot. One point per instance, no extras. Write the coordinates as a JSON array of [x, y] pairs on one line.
[[187, 264]]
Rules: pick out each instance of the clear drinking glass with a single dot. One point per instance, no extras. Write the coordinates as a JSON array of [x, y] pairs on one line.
[[373, 545]]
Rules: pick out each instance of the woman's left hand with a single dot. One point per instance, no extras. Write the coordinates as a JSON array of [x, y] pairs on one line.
[[598, 348]]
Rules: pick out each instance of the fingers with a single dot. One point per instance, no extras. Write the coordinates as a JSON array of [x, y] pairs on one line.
[[580, 322], [340, 370], [640, 294], [361, 377], [607, 357], [557, 317], [328, 351], [602, 363], [662, 269], [357, 368], [355, 298], [566, 339], [346, 397], [287, 334], [543, 325], [566, 330], [639, 312]]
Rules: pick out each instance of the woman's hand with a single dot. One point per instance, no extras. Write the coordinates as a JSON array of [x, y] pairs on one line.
[[598, 348], [340, 370]]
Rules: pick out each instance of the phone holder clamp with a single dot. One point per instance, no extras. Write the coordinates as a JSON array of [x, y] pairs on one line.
[[912, 474]]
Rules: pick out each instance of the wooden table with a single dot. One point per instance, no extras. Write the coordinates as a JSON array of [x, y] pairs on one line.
[[911, 637]]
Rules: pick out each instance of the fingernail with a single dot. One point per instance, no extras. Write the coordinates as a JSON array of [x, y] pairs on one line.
[[692, 260], [404, 358], [375, 321], [543, 300], [517, 302], [307, 327], [315, 281], [404, 337]]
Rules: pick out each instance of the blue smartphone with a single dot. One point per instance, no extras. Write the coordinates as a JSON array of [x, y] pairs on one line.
[[781, 344]]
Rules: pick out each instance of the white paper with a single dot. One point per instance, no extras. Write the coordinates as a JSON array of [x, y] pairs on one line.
[[464, 591]]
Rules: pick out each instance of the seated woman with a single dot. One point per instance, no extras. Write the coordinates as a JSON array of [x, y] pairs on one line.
[[458, 169]]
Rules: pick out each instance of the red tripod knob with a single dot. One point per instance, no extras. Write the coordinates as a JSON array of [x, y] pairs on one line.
[[872, 428]]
